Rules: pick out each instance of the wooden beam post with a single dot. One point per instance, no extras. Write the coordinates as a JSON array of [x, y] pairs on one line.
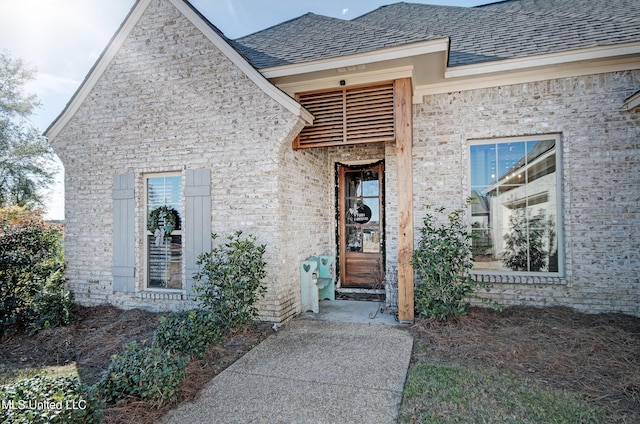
[[404, 150]]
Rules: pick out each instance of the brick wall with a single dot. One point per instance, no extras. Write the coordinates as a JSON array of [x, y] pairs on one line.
[[304, 215], [600, 145], [170, 101]]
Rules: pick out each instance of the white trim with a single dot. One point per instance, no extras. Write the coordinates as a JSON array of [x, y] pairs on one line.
[[408, 50], [350, 79], [145, 232], [561, 273], [632, 101], [591, 53], [525, 76], [118, 40]]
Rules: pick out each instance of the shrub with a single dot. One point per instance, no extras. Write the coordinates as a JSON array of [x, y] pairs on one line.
[[31, 266], [42, 399], [442, 261], [53, 305], [231, 279], [144, 372], [188, 333]]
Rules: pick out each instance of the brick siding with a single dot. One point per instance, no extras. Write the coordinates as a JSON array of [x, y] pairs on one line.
[[600, 173], [170, 101]]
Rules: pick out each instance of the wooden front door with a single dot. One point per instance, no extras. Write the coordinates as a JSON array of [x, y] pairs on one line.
[[361, 226]]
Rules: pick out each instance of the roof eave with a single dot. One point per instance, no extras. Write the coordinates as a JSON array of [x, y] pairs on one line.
[[379, 55], [550, 59]]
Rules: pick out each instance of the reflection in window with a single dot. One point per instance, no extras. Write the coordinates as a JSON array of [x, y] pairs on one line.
[[515, 206], [362, 201], [164, 251]]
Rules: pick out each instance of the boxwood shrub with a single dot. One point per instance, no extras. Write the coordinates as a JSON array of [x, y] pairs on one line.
[[147, 373], [188, 332]]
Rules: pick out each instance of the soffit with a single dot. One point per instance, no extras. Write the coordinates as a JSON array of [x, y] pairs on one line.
[[424, 63], [430, 75]]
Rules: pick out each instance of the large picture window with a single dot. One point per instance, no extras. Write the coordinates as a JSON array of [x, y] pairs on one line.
[[515, 209], [164, 232]]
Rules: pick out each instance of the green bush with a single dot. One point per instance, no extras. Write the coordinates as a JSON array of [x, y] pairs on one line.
[[188, 332], [53, 305], [230, 279], [31, 272], [41, 399], [143, 372], [442, 261]]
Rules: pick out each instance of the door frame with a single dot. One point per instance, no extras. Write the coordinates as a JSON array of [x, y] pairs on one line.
[[341, 220]]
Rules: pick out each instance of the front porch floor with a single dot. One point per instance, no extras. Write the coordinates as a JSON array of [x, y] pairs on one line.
[[353, 311]]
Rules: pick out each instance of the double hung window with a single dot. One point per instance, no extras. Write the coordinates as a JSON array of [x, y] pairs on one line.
[[164, 231]]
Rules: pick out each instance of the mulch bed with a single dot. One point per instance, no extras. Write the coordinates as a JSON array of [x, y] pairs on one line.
[[100, 332], [97, 333], [198, 373], [597, 356], [594, 355]]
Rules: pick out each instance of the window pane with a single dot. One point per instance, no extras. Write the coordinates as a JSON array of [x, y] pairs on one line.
[[354, 239], [542, 159], [355, 212], [373, 206], [164, 251], [165, 191], [370, 183], [371, 240], [352, 184], [165, 262], [514, 220], [483, 166], [511, 166]]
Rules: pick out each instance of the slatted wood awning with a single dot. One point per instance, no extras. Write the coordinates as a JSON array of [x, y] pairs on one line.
[[373, 114], [351, 115]]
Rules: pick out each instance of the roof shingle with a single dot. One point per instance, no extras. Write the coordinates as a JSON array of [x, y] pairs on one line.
[[313, 37], [496, 31]]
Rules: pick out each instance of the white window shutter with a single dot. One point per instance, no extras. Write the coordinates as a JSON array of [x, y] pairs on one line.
[[197, 222], [123, 233]]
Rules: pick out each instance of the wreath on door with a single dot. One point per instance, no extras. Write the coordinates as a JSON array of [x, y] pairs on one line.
[[169, 218]]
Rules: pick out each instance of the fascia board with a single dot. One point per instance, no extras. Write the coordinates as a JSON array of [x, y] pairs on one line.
[[408, 50], [590, 53], [526, 76], [354, 79]]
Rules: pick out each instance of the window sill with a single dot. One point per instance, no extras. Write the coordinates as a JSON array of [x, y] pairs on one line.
[[164, 294], [518, 278]]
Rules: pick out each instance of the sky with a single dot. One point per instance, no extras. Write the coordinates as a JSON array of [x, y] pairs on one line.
[[62, 39]]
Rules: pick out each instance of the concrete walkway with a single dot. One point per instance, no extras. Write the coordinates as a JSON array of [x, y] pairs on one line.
[[310, 372]]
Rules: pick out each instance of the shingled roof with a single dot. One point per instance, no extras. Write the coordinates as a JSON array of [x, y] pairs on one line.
[[496, 31], [314, 37]]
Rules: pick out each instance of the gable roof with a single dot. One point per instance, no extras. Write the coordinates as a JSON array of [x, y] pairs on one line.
[[207, 29], [497, 31], [315, 37]]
